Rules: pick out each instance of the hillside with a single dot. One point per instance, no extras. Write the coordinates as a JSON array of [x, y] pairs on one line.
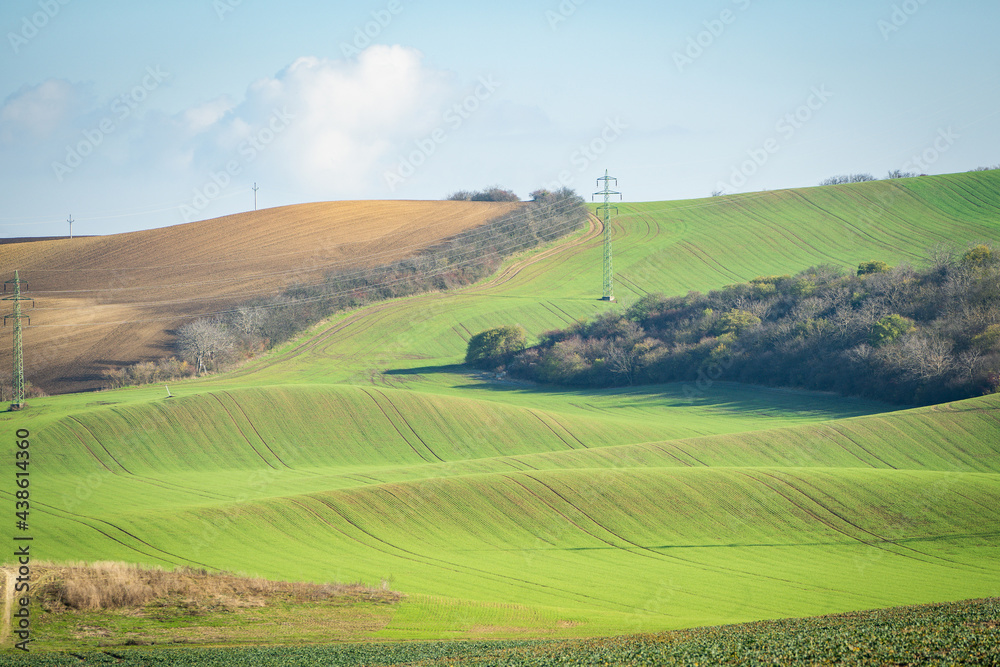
[[106, 301], [363, 450]]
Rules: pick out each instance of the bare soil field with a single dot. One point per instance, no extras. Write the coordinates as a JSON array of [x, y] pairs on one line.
[[107, 301]]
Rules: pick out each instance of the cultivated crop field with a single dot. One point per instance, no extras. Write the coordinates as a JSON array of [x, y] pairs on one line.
[[103, 300], [364, 451], [963, 633]]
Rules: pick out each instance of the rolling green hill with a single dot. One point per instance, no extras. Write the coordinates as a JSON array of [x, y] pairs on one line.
[[363, 451]]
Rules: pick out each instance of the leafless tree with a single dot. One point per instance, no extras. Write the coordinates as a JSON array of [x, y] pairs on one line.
[[622, 361], [971, 362], [248, 319], [204, 339], [925, 358]]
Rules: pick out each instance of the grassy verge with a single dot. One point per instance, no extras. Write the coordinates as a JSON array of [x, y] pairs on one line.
[[105, 605]]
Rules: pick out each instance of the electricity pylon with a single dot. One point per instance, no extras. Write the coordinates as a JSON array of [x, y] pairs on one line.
[[609, 275], [17, 400]]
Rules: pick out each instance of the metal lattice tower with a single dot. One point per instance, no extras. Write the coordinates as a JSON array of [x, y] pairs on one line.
[[609, 275], [17, 400]]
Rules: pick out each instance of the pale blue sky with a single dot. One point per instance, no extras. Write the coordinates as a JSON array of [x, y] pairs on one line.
[[130, 115]]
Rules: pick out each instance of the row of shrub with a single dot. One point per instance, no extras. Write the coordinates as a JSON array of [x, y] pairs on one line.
[[895, 173], [215, 343], [894, 334]]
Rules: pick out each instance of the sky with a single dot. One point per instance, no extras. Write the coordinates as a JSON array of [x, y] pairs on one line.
[[135, 115]]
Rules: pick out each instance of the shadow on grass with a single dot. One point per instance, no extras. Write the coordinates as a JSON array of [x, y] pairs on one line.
[[453, 369], [724, 396]]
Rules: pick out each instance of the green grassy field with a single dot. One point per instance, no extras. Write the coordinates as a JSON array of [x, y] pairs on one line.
[[363, 451]]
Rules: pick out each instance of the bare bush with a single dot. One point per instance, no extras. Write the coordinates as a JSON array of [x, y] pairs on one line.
[[848, 178]]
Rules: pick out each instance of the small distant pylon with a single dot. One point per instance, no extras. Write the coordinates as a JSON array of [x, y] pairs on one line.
[[609, 275], [17, 400]]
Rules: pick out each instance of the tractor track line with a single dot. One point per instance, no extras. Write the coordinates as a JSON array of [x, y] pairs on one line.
[[653, 224], [393, 424], [169, 486], [245, 416], [648, 552], [972, 500], [111, 537], [901, 546], [464, 569], [551, 506], [553, 311], [847, 223], [571, 318], [236, 424], [546, 425], [97, 440], [512, 271], [91, 451], [313, 342], [692, 456], [563, 427], [409, 426], [631, 284], [706, 259], [794, 240], [879, 540], [836, 441], [859, 446], [649, 227], [826, 522], [663, 448], [83, 518]]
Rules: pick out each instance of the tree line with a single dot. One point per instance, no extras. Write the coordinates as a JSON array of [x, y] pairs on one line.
[[895, 334], [216, 343], [843, 179]]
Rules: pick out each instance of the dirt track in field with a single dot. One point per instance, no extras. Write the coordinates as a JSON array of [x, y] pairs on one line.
[[107, 301]]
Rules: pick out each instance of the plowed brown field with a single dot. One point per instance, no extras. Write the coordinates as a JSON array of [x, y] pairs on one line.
[[107, 301]]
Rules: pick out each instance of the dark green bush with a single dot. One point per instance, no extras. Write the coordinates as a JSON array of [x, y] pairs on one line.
[[495, 347]]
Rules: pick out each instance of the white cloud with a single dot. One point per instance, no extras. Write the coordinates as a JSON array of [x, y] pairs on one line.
[[39, 112], [201, 118], [349, 117], [341, 125]]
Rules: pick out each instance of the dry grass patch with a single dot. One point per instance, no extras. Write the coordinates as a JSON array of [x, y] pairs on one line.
[[111, 585]]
